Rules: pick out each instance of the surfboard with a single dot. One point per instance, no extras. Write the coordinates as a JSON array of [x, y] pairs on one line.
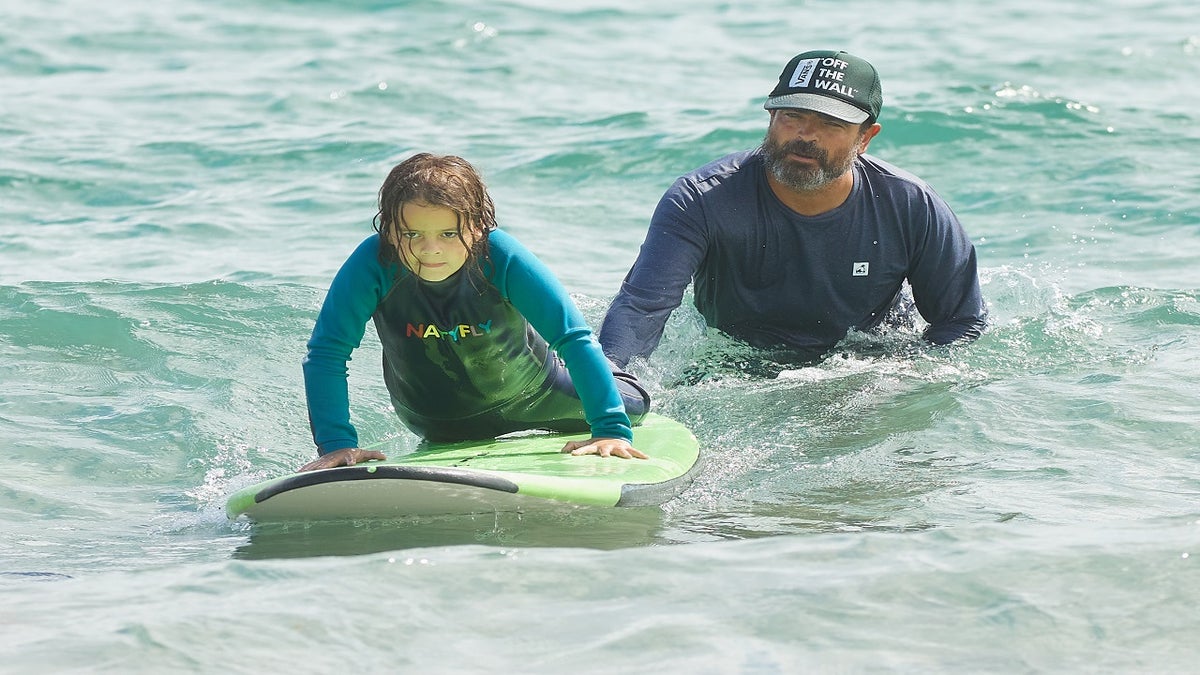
[[512, 473]]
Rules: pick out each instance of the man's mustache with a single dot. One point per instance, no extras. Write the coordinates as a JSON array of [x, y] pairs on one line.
[[804, 149]]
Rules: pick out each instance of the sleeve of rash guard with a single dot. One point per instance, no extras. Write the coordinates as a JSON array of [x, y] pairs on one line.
[[356, 291], [534, 290], [674, 246], [945, 278]]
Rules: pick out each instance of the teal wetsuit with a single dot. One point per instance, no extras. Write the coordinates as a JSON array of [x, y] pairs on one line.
[[489, 351]]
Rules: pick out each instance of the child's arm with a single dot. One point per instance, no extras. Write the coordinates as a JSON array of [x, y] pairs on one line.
[[353, 296], [534, 290]]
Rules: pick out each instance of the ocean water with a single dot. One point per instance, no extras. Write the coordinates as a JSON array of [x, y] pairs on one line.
[[179, 181]]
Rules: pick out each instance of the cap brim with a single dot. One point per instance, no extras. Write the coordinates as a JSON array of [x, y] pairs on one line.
[[822, 104]]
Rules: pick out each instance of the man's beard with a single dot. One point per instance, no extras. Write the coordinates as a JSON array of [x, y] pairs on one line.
[[798, 177]]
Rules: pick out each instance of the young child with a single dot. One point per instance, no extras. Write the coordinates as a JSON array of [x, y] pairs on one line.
[[479, 338]]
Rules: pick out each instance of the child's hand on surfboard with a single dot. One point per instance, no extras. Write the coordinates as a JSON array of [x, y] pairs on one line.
[[343, 457], [605, 447]]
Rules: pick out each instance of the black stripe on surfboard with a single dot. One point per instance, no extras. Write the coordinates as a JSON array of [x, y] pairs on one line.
[[424, 473]]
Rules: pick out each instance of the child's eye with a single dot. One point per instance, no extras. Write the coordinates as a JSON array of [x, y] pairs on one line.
[[409, 235], [449, 235]]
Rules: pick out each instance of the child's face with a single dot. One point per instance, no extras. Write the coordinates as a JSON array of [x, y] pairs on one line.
[[429, 243]]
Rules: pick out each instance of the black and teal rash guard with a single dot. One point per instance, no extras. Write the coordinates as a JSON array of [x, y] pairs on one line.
[[776, 279], [457, 348]]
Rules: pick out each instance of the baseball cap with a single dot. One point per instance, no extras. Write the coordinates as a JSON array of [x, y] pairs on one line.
[[832, 82]]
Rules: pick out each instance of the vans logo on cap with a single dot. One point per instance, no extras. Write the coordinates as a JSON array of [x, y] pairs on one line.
[[828, 73], [803, 73]]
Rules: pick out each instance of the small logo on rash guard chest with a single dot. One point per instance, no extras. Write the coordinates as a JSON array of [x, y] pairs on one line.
[[860, 269]]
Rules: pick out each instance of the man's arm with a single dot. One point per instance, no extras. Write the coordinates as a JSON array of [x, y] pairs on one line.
[[945, 279], [674, 246]]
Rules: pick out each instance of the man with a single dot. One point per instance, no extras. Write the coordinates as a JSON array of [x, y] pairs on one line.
[[795, 243]]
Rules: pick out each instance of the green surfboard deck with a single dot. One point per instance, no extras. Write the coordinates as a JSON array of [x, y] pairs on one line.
[[515, 473]]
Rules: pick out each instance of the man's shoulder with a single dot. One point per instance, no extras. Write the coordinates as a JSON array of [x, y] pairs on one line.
[[898, 186], [890, 172], [725, 168]]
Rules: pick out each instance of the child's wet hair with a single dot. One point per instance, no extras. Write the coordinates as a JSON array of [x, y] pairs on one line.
[[437, 180]]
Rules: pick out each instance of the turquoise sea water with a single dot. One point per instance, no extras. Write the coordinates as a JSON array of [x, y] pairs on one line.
[[179, 181]]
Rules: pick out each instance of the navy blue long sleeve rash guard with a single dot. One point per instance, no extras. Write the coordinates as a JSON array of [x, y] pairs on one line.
[[773, 278], [454, 348]]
